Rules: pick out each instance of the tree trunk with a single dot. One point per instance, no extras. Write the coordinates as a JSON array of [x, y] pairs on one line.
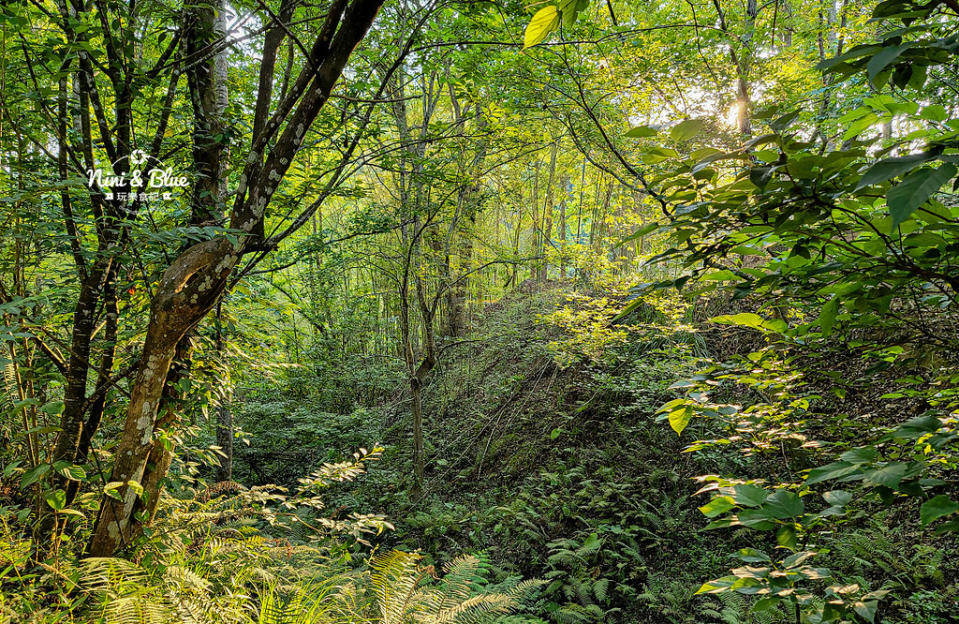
[[224, 439], [536, 225], [419, 461], [742, 61], [224, 417], [547, 229], [186, 293], [469, 201], [561, 229]]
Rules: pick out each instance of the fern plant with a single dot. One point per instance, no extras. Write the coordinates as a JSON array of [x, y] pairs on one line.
[[579, 592], [405, 594], [736, 609], [328, 601]]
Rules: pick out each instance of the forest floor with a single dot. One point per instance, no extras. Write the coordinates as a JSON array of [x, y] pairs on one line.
[[545, 453]]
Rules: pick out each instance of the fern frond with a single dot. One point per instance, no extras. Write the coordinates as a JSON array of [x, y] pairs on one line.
[[137, 609], [468, 610], [109, 575]]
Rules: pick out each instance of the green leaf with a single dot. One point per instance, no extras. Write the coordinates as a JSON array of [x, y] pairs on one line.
[[687, 129], [722, 275], [889, 168], [780, 124], [915, 189], [762, 139], [859, 125], [629, 309], [10, 468], [110, 489], [643, 231], [751, 555], [827, 317], [659, 154], [934, 112], [786, 536], [744, 319], [640, 132], [882, 59], [765, 604], [57, 499], [797, 559], [948, 527], [916, 428], [748, 319], [35, 474], [889, 475], [749, 495], [784, 504], [569, 8], [861, 455], [936, 508], [853, 53], [757, 519], [838, 498], [835, 470], [591, 543], [866, 609], [545, 21]]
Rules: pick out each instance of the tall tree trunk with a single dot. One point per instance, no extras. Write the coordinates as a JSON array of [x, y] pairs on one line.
[[561, 228], [75, 395], [536, 224], [224, 416], [418, 367], [547, 229], [742, 61], [425, 367], [833, 41], [743, 69], [469, 201], [582, 195]]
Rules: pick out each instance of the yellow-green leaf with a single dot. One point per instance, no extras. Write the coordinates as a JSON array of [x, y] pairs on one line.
[[687, 129], [543, 23], [679, 419]]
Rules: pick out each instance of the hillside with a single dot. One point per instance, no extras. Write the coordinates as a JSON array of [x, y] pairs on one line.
[[546, 454]]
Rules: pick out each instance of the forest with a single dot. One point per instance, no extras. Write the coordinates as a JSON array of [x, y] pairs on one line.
[[479, 311]]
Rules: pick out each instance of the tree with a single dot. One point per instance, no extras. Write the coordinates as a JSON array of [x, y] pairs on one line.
[[192, 284], [108, 82]]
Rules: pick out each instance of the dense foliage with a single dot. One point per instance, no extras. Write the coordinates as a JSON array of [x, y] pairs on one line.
[[438, 311]]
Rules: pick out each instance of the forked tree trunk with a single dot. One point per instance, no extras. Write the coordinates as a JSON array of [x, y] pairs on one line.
[[197, 278]]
